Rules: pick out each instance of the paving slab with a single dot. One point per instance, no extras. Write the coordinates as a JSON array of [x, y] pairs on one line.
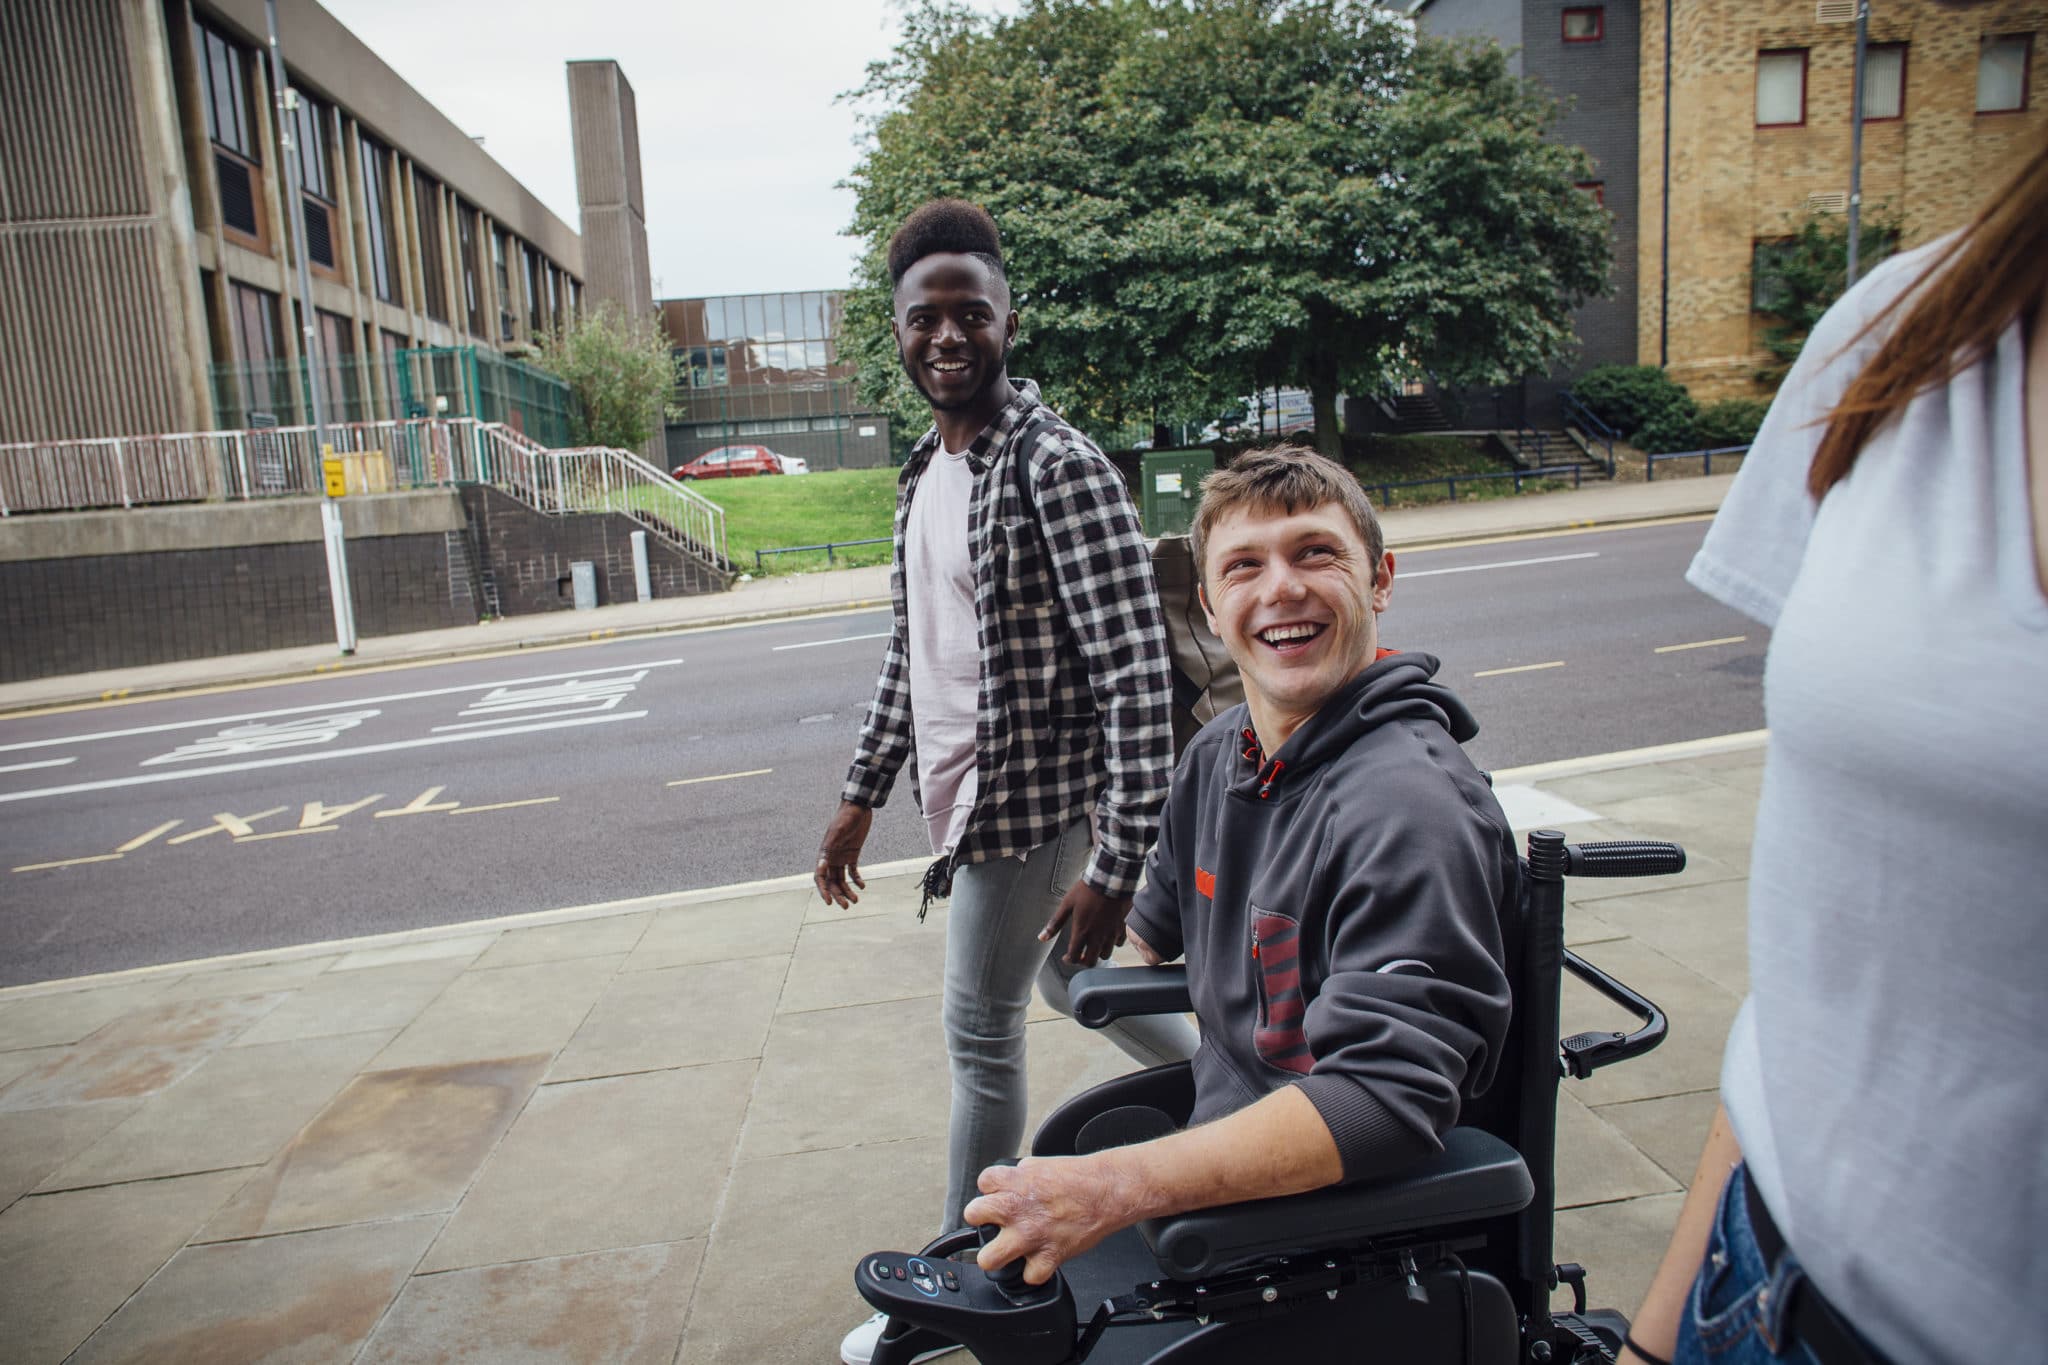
[[236, 1108], [393, 1144], [1596, 1163], [1704, 927], [863, 1074], [67, 1261], [1669, 1129], [139, 1053], [831, 1207], [35, 1142], [269, 976], [360, 1000], [1700, 1012], [503, 1012], [721, 931], [619, 1161], [623, 1307], [600, 936], [464, 948], [678, 1016], [304, 1297], [1620, 1245], [867, 959], [60, 1017]]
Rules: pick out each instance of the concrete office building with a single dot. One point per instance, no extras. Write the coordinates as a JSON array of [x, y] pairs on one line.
[[765, 369], [145, 278], [1761, 137]]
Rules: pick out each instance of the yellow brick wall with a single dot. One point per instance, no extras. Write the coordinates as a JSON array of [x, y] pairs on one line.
[[1733, 182]]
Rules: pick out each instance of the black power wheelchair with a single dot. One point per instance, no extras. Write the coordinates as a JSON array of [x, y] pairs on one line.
[[1448, 1263]]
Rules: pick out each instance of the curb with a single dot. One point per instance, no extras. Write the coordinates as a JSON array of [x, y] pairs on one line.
[[1535, 772]]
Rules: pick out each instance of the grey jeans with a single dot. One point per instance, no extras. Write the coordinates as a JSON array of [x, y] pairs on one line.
[[992, 956]]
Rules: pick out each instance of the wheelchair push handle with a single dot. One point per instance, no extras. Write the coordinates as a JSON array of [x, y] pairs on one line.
[[1624, 858]]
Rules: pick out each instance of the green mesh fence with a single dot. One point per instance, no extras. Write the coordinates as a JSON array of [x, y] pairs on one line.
[[453, 381]]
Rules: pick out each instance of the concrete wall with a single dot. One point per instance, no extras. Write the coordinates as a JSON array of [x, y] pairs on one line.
[[94, 590], [605, 125]]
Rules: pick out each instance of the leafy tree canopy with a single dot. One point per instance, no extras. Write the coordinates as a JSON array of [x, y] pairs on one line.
[[1204, 197], [1799, 277], [619, 369]]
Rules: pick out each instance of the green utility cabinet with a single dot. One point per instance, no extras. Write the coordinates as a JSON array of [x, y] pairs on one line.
[[1170, 486]]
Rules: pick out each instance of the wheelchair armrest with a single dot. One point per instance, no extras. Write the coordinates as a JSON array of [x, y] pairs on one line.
[[1475, 1176], [1103, 995]]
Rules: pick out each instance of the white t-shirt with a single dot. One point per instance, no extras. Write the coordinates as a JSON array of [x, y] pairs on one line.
[[945, 646], [1888, 1075]]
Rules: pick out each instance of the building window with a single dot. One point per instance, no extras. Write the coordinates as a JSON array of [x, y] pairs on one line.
[[536, 291], [1781, 88], [383, 246], [1585, 24], [501, 250], [316, 178], [1884, 82], [432, 244], [2002, 73], [1596, 188], [224, 92], [472, 284], [252, 323]]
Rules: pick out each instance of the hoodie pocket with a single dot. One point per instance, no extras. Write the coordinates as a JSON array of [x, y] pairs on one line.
[[1276, 976]]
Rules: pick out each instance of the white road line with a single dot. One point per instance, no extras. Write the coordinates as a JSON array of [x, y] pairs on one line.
[[506, 805], [288, 760], [1502, 564], [1702, 644], [40, 763], [1519, 668], [721, 777], [842, 640], [332, 705]]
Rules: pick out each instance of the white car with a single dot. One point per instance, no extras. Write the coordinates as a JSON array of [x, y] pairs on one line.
[[792, 464]]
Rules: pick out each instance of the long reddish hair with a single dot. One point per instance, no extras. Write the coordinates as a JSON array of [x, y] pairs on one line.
[[1968, 295]]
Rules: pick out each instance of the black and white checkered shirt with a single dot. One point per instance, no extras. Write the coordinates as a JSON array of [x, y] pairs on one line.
[[1073, 711]]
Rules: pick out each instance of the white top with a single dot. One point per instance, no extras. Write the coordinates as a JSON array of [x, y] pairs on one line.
[[1888, 1075], [945, 647]]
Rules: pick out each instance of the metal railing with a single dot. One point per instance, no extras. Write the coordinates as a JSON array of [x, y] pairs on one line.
[[1705, 457], [429, 452], [828, 547], [1586, 420], [1556, 471]]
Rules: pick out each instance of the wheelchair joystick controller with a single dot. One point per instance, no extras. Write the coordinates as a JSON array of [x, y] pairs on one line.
[[994, 1314], [1009, 1276]]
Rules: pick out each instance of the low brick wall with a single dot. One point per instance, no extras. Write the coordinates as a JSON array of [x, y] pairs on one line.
[[528, 555]]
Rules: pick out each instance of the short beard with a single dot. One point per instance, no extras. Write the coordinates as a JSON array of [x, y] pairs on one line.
[[972, 400]]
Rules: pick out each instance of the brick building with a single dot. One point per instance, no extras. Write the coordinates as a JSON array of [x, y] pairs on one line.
[[1761, 96]]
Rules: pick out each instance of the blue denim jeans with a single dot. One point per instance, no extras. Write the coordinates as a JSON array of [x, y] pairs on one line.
[[1736, 1313], [992, 956]]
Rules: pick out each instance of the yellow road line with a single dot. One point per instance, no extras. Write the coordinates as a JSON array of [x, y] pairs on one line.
[[69, 862], [1702, 644], [505, 805], [1522, 668], [722, 777], [139, 840], [285, 834]]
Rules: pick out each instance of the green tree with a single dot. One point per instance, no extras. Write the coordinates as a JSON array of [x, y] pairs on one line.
[[1204, 197], [1797, 278], [619, 369]]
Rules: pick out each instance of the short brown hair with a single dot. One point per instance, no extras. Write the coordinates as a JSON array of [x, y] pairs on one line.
[[1283, 479]]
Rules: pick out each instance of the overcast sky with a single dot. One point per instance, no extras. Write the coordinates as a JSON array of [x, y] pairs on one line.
[[741, 137]]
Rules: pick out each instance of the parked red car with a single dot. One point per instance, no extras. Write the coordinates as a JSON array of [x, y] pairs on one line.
[[734, 462]]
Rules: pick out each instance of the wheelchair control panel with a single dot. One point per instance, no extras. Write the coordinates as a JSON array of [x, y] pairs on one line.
[[995, 1314]]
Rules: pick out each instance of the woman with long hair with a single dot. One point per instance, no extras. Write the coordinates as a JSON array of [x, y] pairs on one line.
[[1875, 1184]]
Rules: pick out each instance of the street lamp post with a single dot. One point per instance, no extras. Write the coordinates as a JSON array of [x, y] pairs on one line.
[[286, 101], [1856, 139]]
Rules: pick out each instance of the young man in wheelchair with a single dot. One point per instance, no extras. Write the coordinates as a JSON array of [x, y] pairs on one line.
[[1336, 873]]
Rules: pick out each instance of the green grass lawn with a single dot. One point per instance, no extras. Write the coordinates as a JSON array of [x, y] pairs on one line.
[[857, 504], [807, 509]]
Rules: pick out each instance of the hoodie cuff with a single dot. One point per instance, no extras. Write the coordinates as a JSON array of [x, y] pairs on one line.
[[1371, 1141]]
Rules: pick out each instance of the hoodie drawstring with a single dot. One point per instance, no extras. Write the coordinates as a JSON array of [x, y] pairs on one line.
[[1267, 781]]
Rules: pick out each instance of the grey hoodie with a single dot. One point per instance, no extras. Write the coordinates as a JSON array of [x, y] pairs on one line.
[[1364, 869]]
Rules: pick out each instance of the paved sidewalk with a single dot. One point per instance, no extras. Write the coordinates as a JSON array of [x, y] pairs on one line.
[[803, 594], [665, 1130]]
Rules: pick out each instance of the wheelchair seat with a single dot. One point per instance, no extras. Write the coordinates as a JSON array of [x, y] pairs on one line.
[[1447, 1260]]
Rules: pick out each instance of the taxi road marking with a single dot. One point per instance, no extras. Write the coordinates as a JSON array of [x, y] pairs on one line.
[[722, 777], [505, 805], [1702, 644], [69, 862], [285, 834], [1521, 668], [139, 840]]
